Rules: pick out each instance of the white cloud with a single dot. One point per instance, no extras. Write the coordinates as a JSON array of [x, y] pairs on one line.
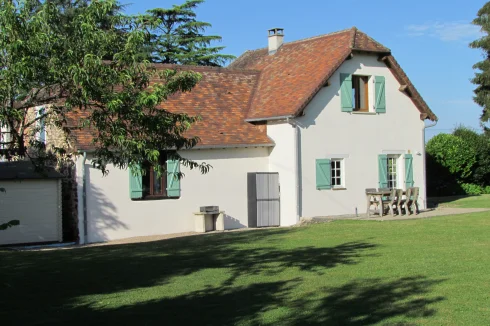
[[445, 31]]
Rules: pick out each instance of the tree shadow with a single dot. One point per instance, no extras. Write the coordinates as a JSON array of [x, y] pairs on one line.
[[371, 301], [403, 301], [46, 284]]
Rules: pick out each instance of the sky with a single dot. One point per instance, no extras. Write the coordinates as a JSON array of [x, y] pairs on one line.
[[429, 38]]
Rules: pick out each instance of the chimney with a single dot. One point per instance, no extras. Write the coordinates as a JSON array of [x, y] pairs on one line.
[[276, 38]]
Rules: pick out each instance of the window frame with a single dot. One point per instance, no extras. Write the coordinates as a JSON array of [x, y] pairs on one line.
[[357, 106], [397, 173], [341, 168], [149, 178]]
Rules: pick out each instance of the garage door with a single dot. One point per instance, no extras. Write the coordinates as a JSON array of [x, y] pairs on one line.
[[36, 204]]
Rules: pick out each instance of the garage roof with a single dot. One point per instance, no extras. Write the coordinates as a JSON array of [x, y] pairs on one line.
[[26, 170]]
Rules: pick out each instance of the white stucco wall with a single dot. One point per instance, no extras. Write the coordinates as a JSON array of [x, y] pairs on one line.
[[327, 132], [112, 215], [282, 159]]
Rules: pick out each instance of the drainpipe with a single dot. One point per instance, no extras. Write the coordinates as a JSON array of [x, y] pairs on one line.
[[424, 159], [296, 167]]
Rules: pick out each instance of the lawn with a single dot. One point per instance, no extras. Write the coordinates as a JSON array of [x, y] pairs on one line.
[[425, 272]]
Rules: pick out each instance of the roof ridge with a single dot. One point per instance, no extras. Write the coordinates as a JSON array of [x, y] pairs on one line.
[[372, 39], [206, 68], [353, 37], [299, 41]]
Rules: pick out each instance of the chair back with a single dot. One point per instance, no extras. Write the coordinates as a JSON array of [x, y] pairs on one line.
[[393, 195], [415, 194], [409, 193], [399, 195]]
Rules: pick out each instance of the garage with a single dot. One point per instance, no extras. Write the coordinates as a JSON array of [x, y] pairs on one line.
[[33, 198]]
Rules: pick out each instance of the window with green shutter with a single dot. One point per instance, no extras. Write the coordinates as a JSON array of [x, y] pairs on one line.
[[150, 184], [346, 92], [323, 174], [379, 94], [409, 170], [383, 170]]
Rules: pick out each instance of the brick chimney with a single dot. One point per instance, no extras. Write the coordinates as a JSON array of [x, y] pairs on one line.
[[276, 38]]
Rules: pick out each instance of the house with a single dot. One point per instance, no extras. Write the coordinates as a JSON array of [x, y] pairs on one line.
[[296, 129]]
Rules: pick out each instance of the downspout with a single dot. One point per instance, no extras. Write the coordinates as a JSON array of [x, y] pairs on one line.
[[425, 159], [297, 164], [84, 197]]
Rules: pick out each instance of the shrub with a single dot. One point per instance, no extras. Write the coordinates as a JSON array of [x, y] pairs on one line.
[[453, 153], [481, 145], [473, 189]]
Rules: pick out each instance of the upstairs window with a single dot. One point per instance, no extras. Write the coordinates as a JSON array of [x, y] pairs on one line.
[[360, 93]]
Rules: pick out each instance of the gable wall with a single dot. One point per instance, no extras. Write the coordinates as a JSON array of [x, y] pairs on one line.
[[326, 131]]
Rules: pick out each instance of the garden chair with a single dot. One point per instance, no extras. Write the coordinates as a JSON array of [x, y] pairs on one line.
[[412, 200], [371, 200], [398, 202], [391, 201]]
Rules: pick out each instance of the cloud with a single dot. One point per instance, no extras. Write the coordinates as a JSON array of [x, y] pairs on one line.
[[445, 31]]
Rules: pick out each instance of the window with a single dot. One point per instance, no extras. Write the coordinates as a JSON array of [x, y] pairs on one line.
[[337, 173], [392, 171], [151, 185], [360, 93]]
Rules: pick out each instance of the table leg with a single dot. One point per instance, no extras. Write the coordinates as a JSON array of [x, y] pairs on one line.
[[380, 206], [368, 199]]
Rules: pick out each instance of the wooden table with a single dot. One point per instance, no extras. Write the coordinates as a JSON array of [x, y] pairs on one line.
[[379, 195]]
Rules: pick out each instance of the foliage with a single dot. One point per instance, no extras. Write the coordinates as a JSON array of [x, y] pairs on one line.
[[177, 37], [9, 224], [453, 153], [480, 173], [54, 53], [482, 76]]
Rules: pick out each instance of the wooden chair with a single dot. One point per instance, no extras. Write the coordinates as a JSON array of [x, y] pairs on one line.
[[371, 200], [397, 204], [412, 200], [391, 201]]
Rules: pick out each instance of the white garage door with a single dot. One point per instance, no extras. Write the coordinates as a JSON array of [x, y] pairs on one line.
[[37, 205]]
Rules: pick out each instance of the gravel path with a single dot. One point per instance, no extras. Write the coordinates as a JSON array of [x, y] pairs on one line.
[[440, 211]]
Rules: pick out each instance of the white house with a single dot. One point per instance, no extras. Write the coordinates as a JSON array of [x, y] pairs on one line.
[[321, 119]]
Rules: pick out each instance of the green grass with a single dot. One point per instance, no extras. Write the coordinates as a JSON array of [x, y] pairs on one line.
[[423, 272], [481, 201]]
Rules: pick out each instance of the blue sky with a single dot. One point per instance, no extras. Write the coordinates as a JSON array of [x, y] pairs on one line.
[[428, 38]]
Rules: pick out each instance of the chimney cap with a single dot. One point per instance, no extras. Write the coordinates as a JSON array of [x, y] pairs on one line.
[[276, 31]]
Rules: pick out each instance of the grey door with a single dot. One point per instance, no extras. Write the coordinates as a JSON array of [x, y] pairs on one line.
[[264, 199]]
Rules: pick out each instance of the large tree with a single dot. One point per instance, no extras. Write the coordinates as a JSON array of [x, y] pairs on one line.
[[47, 59], [482, 76], [177, 37]]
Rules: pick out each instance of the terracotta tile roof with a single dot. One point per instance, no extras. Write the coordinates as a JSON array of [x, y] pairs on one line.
[[295, 73], [258, 86], [221, 98]]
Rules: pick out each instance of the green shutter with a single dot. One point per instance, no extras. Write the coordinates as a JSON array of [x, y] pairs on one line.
[[346, 92], [173, 181], [380, 96], [135, 185], [383, 170], [323, 174], [409, 170]]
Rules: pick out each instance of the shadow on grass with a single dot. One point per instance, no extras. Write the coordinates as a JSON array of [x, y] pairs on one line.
[[46, 287]]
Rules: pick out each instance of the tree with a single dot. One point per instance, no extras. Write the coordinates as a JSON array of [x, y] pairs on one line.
[[177, 37], [48, 59], [482, 76]]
